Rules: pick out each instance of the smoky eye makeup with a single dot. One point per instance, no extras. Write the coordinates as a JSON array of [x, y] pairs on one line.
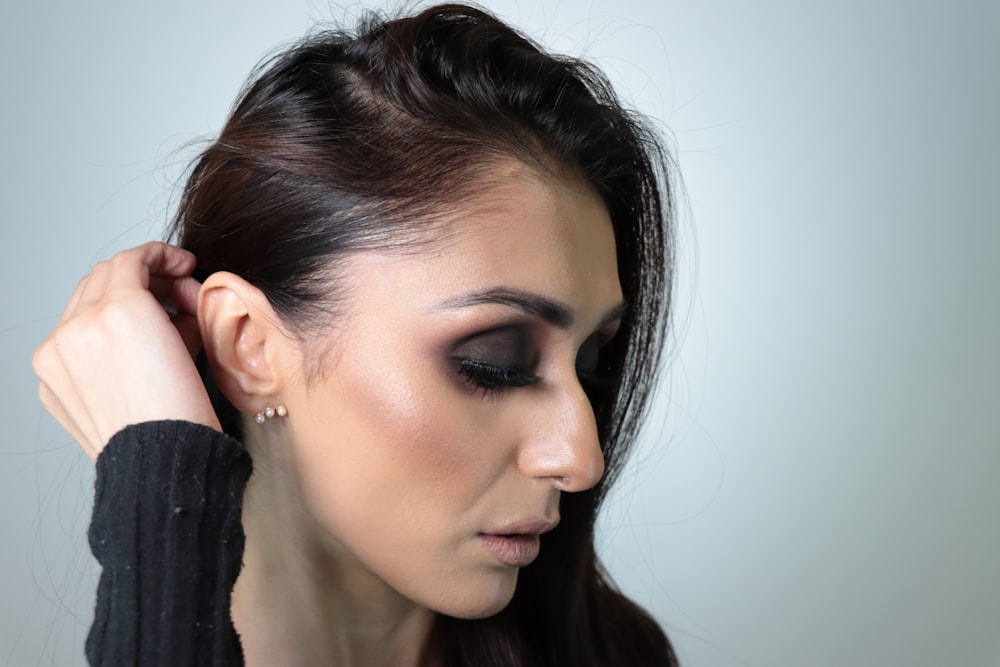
[[493, 360], [506, 356], [589, 354], [591, 368]]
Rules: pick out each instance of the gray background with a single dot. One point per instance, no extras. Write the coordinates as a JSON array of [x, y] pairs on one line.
[[818, 486]]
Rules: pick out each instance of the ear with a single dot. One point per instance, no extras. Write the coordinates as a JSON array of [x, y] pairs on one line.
[[243, 340]]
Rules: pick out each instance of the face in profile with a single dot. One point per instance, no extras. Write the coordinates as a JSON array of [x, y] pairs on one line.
[[448, 414]]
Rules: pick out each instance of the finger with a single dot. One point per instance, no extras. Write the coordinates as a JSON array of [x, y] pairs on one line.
[[177, 296], [136, 266], [131, 269], [182, 292], [90, 290], [163, 259], [166, 259], [161, 286], [184, 295]]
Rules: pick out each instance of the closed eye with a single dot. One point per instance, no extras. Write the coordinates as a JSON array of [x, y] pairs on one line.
[[492, 379]]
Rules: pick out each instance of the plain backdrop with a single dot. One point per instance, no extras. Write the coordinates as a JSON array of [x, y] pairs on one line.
[[818, 486]]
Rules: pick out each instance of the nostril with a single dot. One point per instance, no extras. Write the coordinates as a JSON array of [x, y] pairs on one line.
[[562, 444]]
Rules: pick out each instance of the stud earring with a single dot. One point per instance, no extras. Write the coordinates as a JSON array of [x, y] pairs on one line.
[[270, 412]]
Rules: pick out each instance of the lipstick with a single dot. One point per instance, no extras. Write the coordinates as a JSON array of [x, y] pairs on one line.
[[517, 544], [513, 550]]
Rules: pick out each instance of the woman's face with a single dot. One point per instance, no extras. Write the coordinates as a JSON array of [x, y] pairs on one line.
[[448, 416]]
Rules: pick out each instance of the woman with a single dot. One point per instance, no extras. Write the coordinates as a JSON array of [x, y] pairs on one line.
[[425, 273]]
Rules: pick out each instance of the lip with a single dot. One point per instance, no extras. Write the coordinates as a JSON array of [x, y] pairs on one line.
[[517, 544], [527, 527], [513, 550]]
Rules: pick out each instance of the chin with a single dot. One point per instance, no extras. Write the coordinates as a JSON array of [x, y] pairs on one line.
[[482, 599]]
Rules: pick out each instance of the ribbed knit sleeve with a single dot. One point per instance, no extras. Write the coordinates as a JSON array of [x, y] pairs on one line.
[[166, 529]]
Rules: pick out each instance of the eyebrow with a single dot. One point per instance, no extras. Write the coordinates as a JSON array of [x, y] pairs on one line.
[[554, 312]]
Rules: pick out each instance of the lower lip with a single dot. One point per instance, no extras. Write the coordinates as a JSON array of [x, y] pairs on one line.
[[513, 550]]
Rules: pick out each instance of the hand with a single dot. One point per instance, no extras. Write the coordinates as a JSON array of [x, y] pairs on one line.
[[123, 350]]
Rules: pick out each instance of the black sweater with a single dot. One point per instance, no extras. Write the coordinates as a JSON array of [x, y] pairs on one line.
[[166, 529]]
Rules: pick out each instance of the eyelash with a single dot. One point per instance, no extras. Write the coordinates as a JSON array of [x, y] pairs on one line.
[[492, 379]]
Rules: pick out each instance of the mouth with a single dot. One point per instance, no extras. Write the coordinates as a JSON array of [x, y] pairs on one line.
[[513, 550], [517, 545]]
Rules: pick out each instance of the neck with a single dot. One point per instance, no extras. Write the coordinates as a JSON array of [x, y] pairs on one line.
[[300, 599]]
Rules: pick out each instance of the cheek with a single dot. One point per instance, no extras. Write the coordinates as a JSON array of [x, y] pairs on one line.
[[397, 470], [392, 448]]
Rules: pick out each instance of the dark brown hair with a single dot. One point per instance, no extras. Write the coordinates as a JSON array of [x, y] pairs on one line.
[[351, 141]]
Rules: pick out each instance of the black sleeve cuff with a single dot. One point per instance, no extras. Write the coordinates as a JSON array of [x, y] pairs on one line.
[[167, 531]]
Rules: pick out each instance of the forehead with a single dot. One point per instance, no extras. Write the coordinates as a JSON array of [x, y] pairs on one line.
[[546, 235], [518, 205]]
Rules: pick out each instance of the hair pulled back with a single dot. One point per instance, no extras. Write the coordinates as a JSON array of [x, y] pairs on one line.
[[352, 141]]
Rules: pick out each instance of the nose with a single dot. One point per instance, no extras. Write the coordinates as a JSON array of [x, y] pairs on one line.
[[562, 445]]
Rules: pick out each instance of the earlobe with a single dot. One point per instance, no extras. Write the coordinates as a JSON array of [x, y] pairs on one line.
[[242, 340]]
